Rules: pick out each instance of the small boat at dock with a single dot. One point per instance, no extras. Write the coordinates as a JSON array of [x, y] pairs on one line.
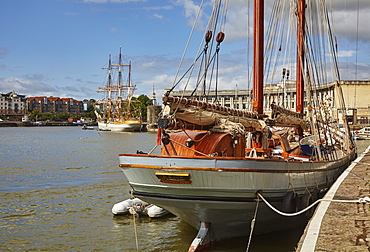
[[362, 134], [88, 127], [138, 207]]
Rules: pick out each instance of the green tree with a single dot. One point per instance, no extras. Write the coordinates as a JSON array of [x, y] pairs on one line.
[[33, 115], [90, 112], [145, 101]]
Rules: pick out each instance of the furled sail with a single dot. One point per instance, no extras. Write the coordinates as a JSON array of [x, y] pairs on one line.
[[203, 113]]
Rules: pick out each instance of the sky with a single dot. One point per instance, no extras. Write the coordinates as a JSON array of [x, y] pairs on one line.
[[59, 47]]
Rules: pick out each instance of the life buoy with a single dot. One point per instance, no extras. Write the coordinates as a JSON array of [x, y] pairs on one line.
[[291, 202]]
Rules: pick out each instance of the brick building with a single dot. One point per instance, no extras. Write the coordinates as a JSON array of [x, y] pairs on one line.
[[55, 105]]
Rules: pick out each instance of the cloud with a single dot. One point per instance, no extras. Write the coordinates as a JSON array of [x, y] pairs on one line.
[[237, 22], [35, 85], [150, 64], [29, 87], [112, 30], [165, 7], [158, 16], [34, 77], [158, 8], [191, 11], [352, 71], [346, 53]]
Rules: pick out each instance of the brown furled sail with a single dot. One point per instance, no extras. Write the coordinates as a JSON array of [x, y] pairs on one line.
[[203, 113]]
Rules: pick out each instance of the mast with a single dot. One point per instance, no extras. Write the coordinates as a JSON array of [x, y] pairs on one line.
[[109, 85], [129, 91], [300, 54], [258, 56], [119, 88]]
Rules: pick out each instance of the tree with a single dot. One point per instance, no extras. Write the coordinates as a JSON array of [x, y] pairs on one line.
[[90, 112], [145, 101]]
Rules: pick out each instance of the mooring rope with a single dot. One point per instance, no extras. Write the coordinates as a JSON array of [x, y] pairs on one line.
[[360, 200], [136, 240], [135, 229], [253, 222]]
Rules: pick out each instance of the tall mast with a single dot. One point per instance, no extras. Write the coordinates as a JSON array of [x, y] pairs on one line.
[[119, 83], [109, 84], [129, 92], [300, 55], [258, 56]]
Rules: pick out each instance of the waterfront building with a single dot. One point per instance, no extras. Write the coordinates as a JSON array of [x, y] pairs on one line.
[[283, 93], [55, 105], [12, 105]]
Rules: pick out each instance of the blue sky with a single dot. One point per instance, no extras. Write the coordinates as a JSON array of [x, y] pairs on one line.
[[58, 47]]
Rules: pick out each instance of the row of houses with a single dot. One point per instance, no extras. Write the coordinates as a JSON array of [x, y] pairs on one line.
[[15, 105]]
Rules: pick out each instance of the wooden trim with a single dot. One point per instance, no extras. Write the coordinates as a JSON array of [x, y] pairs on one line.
[[230, 169], [209, 157]]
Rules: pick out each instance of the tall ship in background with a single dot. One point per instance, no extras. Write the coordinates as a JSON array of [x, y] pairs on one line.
[[115, 111]]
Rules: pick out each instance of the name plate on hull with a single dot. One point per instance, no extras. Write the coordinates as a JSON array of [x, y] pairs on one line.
[[173, 178]]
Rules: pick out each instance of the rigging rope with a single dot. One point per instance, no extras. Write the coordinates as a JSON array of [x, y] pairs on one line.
[[188, 42], [201, 153]]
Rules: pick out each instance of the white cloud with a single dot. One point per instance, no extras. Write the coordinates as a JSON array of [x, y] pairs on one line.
[[165, 7], [346, 53], [158, 16], [191, 12]]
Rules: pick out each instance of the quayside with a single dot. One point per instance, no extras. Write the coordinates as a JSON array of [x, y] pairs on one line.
[[215, 161]]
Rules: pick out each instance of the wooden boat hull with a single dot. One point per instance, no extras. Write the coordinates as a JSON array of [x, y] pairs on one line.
[[222, 190]]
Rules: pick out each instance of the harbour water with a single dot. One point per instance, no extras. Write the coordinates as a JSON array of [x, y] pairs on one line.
[[58, 185]]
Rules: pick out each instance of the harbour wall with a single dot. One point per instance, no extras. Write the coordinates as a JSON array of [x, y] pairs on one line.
[[340, 222]]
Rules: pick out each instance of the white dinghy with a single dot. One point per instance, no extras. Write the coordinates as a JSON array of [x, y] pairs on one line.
[[138, 207], [154, 211]]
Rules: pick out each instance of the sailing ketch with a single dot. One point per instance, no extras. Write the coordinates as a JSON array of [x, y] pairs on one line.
[[114, 112], [215, 161]]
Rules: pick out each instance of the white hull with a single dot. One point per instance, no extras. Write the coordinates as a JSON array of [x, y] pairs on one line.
[[120, 127], [223, 190]]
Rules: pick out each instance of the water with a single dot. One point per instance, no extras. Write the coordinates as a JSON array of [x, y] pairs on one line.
[[58, 185]]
